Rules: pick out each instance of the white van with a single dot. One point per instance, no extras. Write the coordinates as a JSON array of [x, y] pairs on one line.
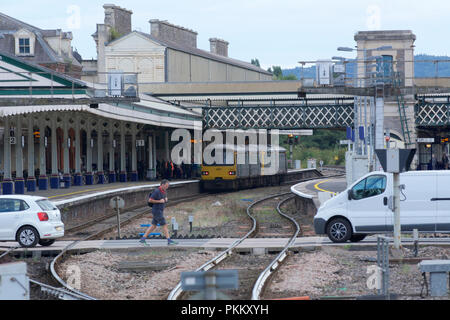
[[362, 208]]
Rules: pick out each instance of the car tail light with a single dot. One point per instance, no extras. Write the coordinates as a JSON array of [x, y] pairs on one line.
[[43, 216], [232, 173], [205, 173]]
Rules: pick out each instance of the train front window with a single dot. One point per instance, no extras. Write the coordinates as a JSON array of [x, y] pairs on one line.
[[224, 161]]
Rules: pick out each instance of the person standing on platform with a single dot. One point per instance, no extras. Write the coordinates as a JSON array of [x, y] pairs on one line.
[[445, 161], [433, 162]]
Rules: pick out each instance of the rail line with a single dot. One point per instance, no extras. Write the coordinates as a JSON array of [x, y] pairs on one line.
[[93, 230], [177, 292], [68, 292], [274, 265]]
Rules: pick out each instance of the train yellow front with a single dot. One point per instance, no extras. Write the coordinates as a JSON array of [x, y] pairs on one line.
[[260, 168]]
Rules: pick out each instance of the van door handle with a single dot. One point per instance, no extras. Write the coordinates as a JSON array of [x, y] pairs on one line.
[[385, 201]]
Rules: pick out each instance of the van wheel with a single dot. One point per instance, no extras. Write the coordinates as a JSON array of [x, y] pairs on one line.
[[47, 243], [27, 237], [358, 237], [339, 230]]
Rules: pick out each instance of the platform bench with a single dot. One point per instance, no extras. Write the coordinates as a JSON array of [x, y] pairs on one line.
[[438, 270]]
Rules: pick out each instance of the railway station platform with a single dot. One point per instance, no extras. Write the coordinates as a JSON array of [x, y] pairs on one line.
[[59, 196], [311, 194], [82, 204]]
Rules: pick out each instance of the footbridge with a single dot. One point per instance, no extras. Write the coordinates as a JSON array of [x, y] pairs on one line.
[[289, 105]]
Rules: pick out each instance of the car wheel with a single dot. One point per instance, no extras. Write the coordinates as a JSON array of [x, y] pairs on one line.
[[47, 243], [358, 237], [28, 237], [339, 230]]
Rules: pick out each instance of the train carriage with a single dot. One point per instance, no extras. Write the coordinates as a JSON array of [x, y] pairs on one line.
[[259, 169]]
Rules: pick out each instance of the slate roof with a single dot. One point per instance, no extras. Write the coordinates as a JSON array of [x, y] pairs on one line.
[[199, 52], [43, 52]]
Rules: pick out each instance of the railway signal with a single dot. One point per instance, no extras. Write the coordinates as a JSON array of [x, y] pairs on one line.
[[191, 221], [117, 203]]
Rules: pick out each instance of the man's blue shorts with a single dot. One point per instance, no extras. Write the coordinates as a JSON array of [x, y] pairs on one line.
[[158, 219]]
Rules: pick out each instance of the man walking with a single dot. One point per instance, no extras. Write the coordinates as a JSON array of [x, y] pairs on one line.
[[159, 199]]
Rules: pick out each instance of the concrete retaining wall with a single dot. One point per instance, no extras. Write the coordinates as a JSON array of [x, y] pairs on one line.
[[297, 176], [305, 206], [83, 209]]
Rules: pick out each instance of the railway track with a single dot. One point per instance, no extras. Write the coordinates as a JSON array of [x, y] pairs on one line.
[[257, 277], [263, 276], [70, 293], [96, 228], [177, 292]]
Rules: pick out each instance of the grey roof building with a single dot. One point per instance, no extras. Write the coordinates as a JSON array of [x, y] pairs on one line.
[[48, 48], [169, 53]]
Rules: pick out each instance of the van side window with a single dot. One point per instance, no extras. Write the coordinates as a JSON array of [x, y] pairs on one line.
[[358, 190], [369, 187]]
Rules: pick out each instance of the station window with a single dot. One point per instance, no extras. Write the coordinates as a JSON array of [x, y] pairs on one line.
[[24, 46]]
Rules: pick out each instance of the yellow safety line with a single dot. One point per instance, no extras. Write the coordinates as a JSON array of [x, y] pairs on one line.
[[323, 190]]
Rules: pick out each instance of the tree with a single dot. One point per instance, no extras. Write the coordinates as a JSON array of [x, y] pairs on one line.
[[278, 74], [289, 77], [256, 62]]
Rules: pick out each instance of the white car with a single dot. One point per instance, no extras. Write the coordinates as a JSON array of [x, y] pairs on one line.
[[29, 220]]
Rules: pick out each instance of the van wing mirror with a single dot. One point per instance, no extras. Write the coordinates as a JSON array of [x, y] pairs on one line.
[[391, 205], [350, 194]]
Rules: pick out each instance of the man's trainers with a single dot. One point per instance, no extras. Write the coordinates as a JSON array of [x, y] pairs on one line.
[[171, 242], [143, 242]]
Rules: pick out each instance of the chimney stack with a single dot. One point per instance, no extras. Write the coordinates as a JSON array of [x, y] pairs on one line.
[[219, 46], [166, 31], [118, 18]]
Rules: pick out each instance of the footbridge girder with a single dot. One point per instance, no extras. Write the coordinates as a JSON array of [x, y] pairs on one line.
[[279, 117]]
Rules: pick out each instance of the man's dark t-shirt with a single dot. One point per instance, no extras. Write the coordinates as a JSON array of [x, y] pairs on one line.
[[158, 208]]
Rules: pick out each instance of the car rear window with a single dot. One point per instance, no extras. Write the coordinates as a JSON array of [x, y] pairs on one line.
[[46, 205]]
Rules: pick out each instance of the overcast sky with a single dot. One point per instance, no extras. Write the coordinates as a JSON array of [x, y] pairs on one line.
[[277, 32]]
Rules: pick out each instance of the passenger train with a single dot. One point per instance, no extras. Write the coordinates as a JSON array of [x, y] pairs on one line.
[[258, 169]]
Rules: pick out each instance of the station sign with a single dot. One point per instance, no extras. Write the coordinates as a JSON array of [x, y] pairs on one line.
[[425, 140], [117, 202], [346, 142], [296, 132]]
